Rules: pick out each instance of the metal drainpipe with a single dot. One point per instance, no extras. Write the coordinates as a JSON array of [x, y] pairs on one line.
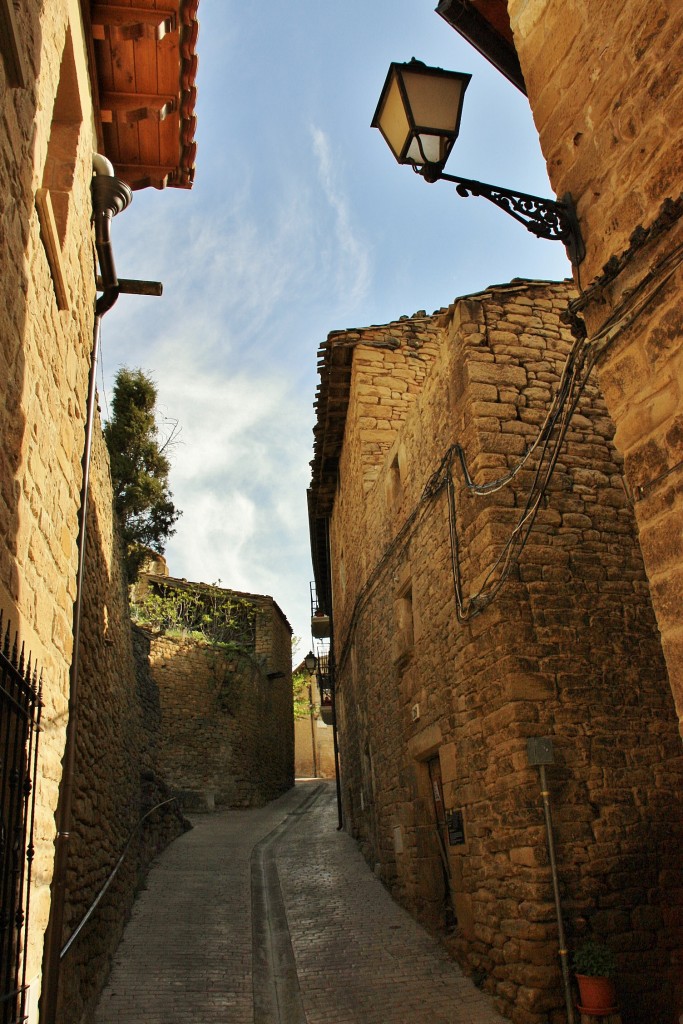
[[109, 197], [564, 953], [540, 753], [331, 667]]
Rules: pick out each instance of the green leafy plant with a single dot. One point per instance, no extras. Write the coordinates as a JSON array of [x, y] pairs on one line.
[[595, 960], [204, 613], [302, 704]]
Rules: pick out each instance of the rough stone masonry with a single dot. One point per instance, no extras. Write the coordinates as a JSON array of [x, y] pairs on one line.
[[435, 711]]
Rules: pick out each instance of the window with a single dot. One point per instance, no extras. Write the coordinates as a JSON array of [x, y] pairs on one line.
[[342, 571], [11, 47], [394, 481], [405, 624], [53, 199]]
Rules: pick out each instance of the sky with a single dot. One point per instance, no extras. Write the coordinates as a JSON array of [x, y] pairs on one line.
[[300, 222]]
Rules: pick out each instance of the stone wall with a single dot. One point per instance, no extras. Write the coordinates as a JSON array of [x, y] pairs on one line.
[[116, 778], [47, 298], [44, 358], [227, 727], [567, 649], [606, 96]]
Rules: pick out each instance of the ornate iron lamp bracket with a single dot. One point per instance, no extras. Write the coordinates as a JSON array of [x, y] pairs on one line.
[[552, 219]]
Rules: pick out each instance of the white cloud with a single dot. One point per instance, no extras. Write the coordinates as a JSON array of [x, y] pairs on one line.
[[239, 473], [245, 288], [353, 268]]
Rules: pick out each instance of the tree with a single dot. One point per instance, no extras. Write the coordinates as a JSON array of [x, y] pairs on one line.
[[139, 469]]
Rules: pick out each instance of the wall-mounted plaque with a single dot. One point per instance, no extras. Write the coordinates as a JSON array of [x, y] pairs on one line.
[[456, 828]]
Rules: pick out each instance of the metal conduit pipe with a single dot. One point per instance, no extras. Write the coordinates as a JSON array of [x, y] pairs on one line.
[[96, 902], [109, 197]]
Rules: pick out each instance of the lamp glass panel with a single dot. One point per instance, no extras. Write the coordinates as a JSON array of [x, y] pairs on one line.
[[435, 101], [433, 150], [393, 120]]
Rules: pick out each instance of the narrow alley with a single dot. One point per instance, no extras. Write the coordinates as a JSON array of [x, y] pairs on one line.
[[272, 916]]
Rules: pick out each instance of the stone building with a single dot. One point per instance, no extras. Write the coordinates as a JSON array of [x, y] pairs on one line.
[[474, 541], [227, 725], [71, 85], [605, 89]]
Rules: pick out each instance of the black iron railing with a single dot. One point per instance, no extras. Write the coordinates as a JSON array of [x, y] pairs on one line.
[[324, 677], [20, 707]]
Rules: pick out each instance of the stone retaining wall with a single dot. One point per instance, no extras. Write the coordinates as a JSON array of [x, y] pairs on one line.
[[117, 778], [227, 727]]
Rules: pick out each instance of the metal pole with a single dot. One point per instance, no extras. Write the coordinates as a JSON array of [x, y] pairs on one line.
[[337, 775], [545, 793], [332, 669]]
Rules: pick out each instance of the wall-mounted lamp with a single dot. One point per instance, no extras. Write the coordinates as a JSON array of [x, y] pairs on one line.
[[419, 115]]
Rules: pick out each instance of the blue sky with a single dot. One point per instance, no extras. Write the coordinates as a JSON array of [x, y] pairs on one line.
[[300, 222]]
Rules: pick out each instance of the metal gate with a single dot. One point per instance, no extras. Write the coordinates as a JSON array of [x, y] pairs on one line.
[[20, 707]]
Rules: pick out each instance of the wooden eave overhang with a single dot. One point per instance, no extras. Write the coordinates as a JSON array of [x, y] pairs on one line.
[[331, 404], [143, 70], [485, 24]]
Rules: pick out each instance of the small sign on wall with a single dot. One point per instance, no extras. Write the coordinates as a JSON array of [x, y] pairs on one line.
[[456, 828]]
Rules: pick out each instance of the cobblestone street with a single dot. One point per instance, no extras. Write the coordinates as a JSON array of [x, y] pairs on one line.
[[329, 944]]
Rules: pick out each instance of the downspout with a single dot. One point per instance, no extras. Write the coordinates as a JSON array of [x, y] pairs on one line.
[[109, 197], [332, 668]]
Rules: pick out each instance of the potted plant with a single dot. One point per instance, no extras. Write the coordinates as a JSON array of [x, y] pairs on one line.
[[594, 967]]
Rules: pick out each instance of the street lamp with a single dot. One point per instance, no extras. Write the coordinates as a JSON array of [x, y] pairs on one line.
[[310, 662], [419, 114]]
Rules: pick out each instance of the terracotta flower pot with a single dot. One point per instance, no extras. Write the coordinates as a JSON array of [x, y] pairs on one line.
[[598, 995]]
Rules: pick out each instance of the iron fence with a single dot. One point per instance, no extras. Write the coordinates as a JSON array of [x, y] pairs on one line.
[[20, 708]]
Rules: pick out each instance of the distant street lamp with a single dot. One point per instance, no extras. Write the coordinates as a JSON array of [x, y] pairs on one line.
[[310, 662], [419, 114]]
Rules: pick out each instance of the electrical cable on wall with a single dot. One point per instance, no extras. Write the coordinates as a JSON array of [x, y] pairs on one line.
[[570, 391], [574, 378]]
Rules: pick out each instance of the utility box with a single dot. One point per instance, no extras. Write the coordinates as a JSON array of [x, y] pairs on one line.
[[540, 750]]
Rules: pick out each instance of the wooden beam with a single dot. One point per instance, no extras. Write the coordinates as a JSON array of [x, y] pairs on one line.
[[133, 107], [129, 286], [53, 249], [133, 22], [139, 175], [11, 46]]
